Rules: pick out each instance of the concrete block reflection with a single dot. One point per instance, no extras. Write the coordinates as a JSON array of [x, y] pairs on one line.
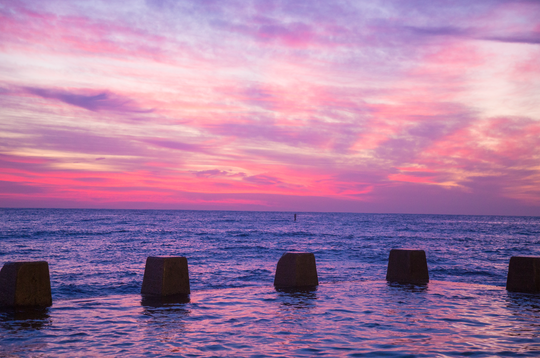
[[24, 318], [25, 284], [164, 301]]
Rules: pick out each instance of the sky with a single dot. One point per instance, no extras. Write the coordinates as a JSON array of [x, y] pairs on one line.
[[282, 105]]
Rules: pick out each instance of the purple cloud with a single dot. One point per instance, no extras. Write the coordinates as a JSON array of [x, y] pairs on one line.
[[532, 37], [211, 173], [438, 31], [104, 101], [263, 180], [526, 38]]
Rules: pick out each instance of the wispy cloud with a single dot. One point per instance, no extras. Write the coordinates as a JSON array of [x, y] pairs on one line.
[[104, 101], [263, 179]]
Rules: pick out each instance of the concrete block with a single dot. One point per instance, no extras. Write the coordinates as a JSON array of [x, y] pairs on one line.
[[25, 284], [296, 270], [166, 276], [523, 274], [407, 266]]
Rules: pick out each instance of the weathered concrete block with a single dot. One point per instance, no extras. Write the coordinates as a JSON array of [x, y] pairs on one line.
[[25, 284], [296, 270], [166, 276], [523, 274], [407, 266]]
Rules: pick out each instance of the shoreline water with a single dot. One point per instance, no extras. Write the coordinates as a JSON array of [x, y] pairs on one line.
[[341, 319], [97, 258]]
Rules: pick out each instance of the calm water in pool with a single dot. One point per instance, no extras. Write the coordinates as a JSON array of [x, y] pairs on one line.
[[97, 258]]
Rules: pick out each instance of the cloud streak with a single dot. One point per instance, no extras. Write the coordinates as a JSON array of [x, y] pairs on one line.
[[104, 101]]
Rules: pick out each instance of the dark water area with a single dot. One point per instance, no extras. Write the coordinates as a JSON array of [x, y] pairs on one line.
[[97, 257]]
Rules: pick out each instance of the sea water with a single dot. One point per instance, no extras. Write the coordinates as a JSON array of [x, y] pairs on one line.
[[97, 257]]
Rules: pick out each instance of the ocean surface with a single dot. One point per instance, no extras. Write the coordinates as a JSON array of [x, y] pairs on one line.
[[97, 257]]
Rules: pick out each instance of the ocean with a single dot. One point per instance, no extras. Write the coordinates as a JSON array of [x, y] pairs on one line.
[[96, 260]]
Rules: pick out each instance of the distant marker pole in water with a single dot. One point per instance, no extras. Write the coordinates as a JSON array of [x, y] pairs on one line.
[[407, 266], [294, 217], [166, 276], [523, 274], [25, 284], [296, 269]]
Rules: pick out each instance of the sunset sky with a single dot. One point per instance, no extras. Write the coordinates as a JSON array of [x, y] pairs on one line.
[[351, 106]]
